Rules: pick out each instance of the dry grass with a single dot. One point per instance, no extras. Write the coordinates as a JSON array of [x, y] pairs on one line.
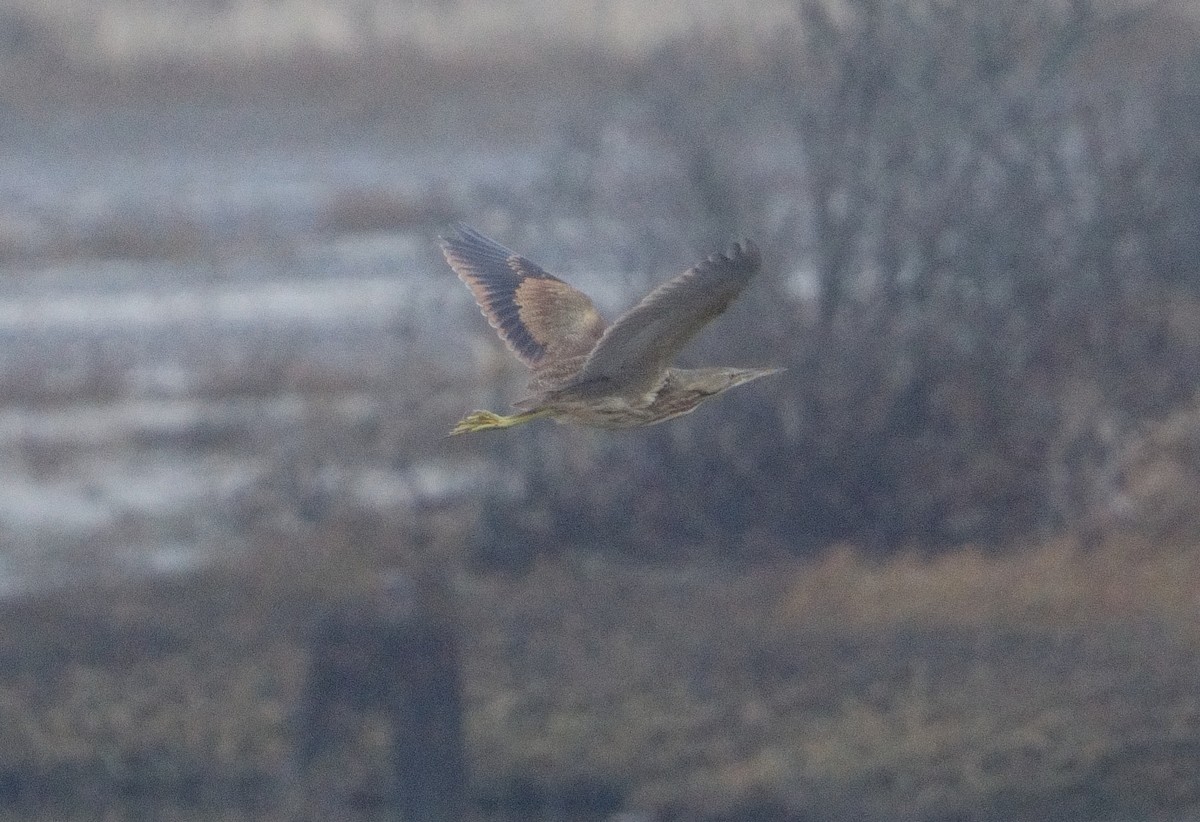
[[1055, 584], [904, 689], [1047, 683]]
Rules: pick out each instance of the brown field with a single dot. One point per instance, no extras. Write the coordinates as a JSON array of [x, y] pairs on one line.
[[1051, 682]]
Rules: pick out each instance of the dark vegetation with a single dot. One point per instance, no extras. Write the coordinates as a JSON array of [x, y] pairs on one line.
[[1002, 240], [943, 568], [1055, 683]]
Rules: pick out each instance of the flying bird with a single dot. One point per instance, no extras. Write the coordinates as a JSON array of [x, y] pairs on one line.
[[585, 371]]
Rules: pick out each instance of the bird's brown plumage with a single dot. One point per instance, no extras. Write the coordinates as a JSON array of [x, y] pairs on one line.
[[610, 376], [634, 352], [544, 321]]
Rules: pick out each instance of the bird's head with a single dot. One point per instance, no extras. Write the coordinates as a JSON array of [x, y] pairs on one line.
[[710, 381]]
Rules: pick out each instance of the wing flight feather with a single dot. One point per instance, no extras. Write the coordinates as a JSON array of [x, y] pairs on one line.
[[544, 321], [633, 354]]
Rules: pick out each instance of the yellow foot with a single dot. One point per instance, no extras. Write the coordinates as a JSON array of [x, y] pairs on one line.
[[486, 421], [480, 421]]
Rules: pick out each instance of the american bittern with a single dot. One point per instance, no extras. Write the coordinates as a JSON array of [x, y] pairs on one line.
[[585, 372]]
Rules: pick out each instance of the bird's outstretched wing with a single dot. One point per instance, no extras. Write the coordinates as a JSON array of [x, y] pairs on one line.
[[632, 356], [542, 319]]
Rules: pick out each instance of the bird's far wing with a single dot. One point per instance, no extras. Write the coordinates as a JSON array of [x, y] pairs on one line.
[[636, 349], [541, 319]]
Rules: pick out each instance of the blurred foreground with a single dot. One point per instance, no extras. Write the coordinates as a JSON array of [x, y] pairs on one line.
[[1050, 684]]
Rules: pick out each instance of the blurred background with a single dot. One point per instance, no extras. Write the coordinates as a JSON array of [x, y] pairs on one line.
[[944, 568]]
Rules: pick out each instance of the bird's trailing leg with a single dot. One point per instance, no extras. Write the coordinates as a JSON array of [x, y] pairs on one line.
[[487, 421]]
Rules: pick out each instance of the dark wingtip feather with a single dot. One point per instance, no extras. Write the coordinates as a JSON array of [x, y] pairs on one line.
[[743, 254], [745, 250], [454, 235], [750, 249], [535, 313], [473, 244]]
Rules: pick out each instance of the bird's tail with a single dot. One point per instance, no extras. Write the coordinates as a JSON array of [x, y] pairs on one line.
[[487, 421]]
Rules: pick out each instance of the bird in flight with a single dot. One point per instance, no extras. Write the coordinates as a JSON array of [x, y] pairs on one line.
[[585, 371]]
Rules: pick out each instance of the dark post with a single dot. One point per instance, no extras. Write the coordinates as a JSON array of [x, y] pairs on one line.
[[393, 654]]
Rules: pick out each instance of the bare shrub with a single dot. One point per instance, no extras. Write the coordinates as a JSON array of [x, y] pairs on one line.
[[999, 240]]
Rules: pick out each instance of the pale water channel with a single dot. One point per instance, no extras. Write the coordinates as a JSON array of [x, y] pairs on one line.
[[176, 312]]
